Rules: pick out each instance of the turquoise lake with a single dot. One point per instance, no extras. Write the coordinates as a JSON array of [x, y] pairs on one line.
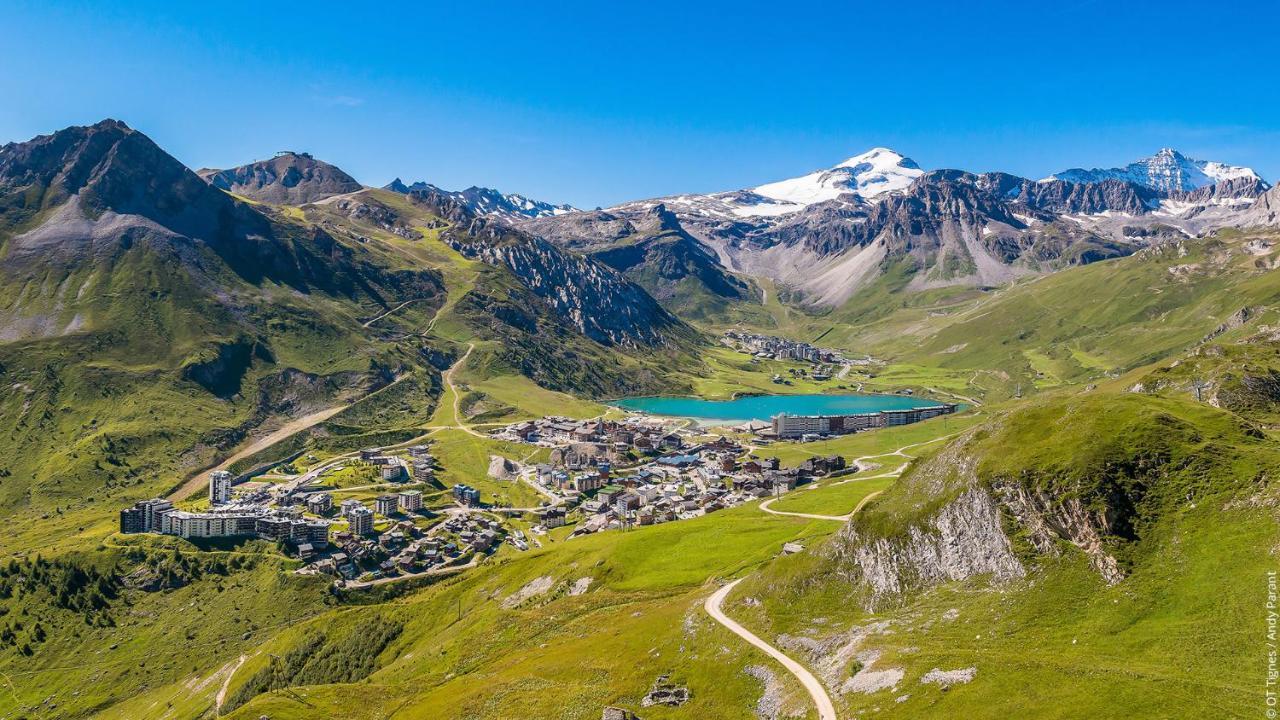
[[764, 407]]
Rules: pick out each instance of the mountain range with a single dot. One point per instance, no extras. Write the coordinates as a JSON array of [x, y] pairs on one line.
[[825, 236]]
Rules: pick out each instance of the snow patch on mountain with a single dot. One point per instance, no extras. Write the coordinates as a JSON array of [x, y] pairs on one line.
[[491, 203], [859, 179], [1166, 171], [872, 173]]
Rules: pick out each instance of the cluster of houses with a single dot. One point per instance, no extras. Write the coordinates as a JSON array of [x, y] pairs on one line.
[[778, 348], [686, 482], [405, 549], [582, 442]]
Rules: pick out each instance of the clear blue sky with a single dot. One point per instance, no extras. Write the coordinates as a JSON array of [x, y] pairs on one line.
[[594, 104]]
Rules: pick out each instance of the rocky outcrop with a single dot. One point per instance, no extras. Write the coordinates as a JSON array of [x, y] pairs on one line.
[[665, 692], [487, 202], [1236, 320], [501, 468], [289, 178], [1047, 520], [1265, 211], [962, 540], [652, 249], [361, 209], [1060, 196], [596, 300]]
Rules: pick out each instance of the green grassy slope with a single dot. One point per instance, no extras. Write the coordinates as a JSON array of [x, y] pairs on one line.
[[1188, 487], [1072, 326]]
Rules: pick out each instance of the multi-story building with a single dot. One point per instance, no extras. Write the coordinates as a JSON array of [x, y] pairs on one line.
[[203, 525], [785, 425], [361, 520], [386, 505], [144, 516], [219, 487], [423, 471], [319, 503], [132, 520], [551, 517], [466, 494], [411, 500], [392, 472]]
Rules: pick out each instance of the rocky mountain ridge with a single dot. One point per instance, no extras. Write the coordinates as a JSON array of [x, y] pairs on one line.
[[652, 248], [825, 236], [489, 202], [289, 178], [1167, 171], [597, 300]]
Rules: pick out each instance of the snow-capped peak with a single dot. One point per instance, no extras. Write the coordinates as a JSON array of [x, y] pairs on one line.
[[487, 201], [872, 173], [1166, 171]]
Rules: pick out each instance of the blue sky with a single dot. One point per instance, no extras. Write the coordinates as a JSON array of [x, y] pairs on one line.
[[593, 103]]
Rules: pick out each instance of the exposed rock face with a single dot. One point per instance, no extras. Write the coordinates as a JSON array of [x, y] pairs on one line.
[[964, 539], [769, 706], [1166, 171], [377, 214], [501, 468], [596, 300], [948, 227], [1236, 320], [106, 181], [487, 202], [1265, 211], [824, 236], [1060, 196], [653, 249], [1048, 520], [947, 678], [289, 178]]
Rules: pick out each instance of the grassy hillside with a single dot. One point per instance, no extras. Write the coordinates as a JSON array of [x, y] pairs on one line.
[[1069, 327], [1188, 489]]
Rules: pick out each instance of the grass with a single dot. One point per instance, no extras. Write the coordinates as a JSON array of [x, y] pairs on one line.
[[464, 458], [837, 498], [146, 647], [1062, 642], [555, 655], [531, 401]]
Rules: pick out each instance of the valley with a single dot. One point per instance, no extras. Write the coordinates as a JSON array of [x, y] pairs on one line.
[[383, 452]]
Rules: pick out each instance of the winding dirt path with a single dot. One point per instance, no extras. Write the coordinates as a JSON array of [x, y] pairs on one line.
[[826, 709], [226, 684], [457, 396], [198, 481], [388, 311]]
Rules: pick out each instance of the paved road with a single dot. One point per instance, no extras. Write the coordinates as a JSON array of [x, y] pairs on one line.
[[826, 709]]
